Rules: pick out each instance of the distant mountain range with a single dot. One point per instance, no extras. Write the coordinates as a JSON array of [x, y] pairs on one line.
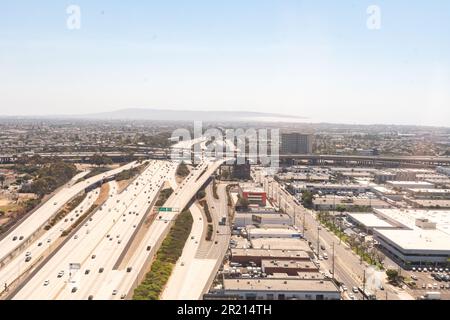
[[175, 115]]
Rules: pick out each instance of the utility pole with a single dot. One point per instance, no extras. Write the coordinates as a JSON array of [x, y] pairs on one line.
[[304, 220], [318, 242], [364, 284], [333, 262]]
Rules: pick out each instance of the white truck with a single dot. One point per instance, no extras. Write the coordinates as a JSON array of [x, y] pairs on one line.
[[431, 296]]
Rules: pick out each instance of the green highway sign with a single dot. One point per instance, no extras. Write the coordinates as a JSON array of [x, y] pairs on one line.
[[163, 209]]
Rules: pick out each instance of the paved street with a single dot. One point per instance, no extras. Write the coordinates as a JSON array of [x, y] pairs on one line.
[[348, 267]]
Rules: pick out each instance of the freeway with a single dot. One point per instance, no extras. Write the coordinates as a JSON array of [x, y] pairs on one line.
[[153, 238], [98, 245], [44, 244], [189, 276], [22, 234], [201, 259]]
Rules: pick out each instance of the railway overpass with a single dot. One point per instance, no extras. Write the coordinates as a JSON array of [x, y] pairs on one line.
[[371, 161], [354, 160]]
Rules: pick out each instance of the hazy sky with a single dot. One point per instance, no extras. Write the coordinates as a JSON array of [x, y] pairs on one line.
[[314, 58]]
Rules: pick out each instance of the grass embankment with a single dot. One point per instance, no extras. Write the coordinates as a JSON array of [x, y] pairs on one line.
[[214, 187], [79, 220], [166, 257], [208, 219], [130, 173], [163, 196], [65, 210]]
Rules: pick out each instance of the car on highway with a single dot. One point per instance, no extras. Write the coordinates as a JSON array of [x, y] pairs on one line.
[[355, 289], [14, 238], [129, 269], [74, 289], [114, 292], [46, 282], [101, 270], [60, 274], [27, 259], [21, 238], [28, 254], [91, 297], [39, 244], [93, 256], [87, 271], [414, 277], [149, 248]]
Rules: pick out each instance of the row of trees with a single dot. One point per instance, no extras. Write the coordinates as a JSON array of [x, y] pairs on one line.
[[364, 249]]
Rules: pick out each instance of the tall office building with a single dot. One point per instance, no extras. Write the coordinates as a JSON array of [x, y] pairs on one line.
[[296, 143]]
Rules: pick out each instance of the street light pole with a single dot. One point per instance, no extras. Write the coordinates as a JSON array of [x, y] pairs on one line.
[[318, 248], [364, 284], [333, 262]]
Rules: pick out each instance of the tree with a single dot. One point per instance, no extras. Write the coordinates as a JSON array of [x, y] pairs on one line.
[[201, 194], [307, 198], [2, 179], [101, 159], [182, 170], [392, 275]]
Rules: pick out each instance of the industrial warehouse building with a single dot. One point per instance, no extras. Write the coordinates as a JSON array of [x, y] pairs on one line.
[[410, 237], [279, 289]]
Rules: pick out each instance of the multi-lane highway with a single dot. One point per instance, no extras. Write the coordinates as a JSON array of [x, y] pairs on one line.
[[201, 259], [20, 236], [161, 226], [43, 245], [97, 247], [94, 261]]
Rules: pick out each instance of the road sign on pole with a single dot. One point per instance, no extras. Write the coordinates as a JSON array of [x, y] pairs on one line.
[[168, 209]]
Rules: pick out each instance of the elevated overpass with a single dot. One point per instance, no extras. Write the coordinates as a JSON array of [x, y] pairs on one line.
[[373, 161]]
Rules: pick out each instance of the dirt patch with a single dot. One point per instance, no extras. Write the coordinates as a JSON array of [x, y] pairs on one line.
[[4, 202], [103, 195]]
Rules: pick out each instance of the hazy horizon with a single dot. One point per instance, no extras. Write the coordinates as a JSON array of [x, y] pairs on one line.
[[312, 59]]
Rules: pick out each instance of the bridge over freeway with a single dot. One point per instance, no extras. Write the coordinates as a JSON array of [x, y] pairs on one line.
[[387, 161]]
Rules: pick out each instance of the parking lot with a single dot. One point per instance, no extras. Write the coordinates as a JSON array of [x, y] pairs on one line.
[[436, 280]]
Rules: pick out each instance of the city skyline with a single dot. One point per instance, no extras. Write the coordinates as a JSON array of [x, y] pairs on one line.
[[315, 60]]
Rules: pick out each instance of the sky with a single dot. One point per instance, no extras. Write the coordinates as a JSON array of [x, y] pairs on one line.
[[315, 59]]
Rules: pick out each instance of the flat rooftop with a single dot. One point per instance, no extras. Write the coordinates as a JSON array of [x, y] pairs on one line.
[[427, 203], [270, 253], [280, 285], [420, 184], [430, 190], [286, 264], [271, 231], [350, 201], [423, 240], [408, 217], [369, 220], [281, 244]]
